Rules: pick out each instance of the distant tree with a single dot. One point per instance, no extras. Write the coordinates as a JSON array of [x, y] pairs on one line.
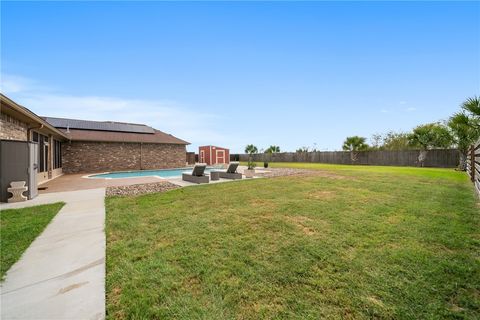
[[397, 141], [251, 149], [273, 149], [355, 144], [303, 150], [429, 136], [376, 141], [465, 133]]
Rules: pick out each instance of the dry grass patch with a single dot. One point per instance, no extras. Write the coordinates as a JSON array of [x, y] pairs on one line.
[[302, 223], [321, 195]]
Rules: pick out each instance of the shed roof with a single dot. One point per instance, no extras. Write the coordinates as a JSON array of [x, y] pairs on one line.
[[213, 147]]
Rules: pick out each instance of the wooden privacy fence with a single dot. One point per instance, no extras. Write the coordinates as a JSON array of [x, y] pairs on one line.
[[442, 158], [473, 165]]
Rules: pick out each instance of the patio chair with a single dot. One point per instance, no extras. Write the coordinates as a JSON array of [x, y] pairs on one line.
[[231, 172], [197, 175]]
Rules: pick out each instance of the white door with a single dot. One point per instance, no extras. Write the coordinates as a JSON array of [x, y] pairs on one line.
[[221, 156]]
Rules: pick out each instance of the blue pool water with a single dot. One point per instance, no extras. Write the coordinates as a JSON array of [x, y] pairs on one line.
[[164, 173]]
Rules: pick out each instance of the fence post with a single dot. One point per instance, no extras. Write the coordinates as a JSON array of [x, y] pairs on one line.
[[472, 163]]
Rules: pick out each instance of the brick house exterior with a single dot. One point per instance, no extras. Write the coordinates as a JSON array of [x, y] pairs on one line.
[[105, 146], [86, 156], [82, 146], [18, 123], [58, 145]]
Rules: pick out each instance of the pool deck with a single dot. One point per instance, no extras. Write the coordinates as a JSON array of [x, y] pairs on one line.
[[74, 182]]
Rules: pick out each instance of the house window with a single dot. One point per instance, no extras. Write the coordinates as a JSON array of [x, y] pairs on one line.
[[57, 154], [42, 153]]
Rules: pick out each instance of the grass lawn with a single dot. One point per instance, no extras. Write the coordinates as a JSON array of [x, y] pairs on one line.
[[19, 227], [348, 242]]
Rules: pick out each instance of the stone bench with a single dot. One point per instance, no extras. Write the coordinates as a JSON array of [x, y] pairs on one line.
[[17, 188]]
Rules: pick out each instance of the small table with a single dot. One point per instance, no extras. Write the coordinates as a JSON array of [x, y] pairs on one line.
[[214, 175]]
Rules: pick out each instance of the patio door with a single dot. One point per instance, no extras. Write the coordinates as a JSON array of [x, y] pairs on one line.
[[220, 156]]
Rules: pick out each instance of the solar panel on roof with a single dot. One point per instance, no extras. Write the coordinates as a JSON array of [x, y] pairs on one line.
[[99, 125]]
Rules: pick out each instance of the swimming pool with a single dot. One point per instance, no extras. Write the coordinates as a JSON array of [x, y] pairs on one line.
[[163, 173]]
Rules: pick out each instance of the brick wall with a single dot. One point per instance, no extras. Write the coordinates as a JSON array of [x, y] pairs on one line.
[[158, 156], [12, 129], [82, 157]]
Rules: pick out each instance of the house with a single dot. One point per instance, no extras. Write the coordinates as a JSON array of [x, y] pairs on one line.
[[99, 146], [212, 155], [81, 146], [18, 123]]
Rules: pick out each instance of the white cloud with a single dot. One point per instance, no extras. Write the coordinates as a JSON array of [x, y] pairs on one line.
[[402, 103], [410, 109], [384, 111], [169, 116], [13, 84]]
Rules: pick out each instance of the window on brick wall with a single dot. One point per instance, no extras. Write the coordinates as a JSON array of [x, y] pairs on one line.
[[57, 154], [42, 153]]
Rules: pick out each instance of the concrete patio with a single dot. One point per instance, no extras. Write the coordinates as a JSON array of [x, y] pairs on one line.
[[72, 182]]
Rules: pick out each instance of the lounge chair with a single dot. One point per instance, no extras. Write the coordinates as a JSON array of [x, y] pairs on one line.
[[197, 175], [231, 172]]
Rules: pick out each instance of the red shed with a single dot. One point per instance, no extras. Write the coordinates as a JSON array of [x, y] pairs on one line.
[[213, 155]]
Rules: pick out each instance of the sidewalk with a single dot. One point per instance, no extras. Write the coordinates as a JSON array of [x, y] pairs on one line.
[[62, 274]]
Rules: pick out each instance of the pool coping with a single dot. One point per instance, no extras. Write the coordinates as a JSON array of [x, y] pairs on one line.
[[91, 176]]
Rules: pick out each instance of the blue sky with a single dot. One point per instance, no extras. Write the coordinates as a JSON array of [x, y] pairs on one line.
[[230, 74]]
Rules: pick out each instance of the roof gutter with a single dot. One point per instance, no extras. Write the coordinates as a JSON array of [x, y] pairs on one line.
[[29, 129]]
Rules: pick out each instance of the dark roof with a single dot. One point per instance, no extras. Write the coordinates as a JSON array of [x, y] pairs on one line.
[[109, 131], [110, 136], [99, 125]]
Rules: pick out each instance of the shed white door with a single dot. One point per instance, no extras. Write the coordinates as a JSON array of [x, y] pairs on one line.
[[220, 156]]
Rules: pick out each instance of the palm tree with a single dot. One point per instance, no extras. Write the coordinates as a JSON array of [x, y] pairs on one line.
[[273, 149], [268, 154], [355, 144], [472, 105], [429, 136], [251, 149], [465, 133]]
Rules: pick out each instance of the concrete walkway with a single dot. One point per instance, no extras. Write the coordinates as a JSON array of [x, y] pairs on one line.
[[62, 274]]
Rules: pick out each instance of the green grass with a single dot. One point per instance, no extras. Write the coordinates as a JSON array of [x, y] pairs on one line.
[[415, 171], [19, 227], [349, 242]]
